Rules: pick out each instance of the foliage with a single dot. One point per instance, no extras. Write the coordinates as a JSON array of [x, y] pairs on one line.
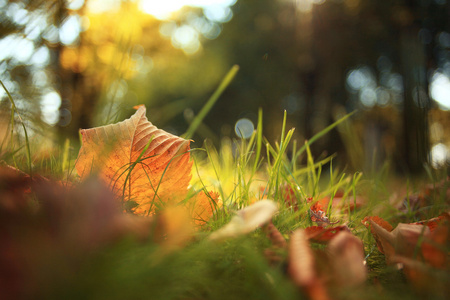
[[63, 237]]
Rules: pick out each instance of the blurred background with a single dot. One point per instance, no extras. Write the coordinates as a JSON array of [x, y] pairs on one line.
[[84, 63]]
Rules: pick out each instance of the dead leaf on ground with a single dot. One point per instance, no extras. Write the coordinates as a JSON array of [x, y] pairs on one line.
[[204, 206], [319, 234], [318, 215], [139, 161], [382, 223], [247, 220], [402, 241], [346, 253], [302, 268]]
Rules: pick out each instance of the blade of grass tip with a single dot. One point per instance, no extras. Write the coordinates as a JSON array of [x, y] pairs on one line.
[[294, 150], [283, 128], [279, 159], [356, 177], [65, 156], [284, 141], [311, 168], [211, 101], [27, 142], [322, 133], [330, 203], [258, 140]]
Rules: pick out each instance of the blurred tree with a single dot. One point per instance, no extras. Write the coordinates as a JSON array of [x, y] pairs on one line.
[[307, 57]]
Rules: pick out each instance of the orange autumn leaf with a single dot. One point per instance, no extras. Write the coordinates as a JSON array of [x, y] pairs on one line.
[[139, 161], [379, 221], [317, 214], [434, 222], [205, 206], [323, 235]]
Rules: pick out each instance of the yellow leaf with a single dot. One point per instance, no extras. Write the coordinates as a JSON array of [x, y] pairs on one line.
[[205, 206], [138, 161]]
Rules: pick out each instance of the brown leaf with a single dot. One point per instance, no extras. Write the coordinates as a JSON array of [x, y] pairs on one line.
[[429, 282], [346, 253], [301, 266], [382, 223], [401, 241], [161, 175], [318, 214], [434, 245], [275, 236]]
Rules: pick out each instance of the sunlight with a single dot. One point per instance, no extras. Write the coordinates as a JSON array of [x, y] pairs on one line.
[[164, 9], [440, 90]]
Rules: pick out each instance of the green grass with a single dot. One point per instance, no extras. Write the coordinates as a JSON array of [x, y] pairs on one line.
[[242, 172]]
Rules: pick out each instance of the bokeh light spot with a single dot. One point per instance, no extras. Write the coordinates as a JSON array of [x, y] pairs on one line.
[[50, 103], [440, 90], [439, 155], [244, 128], [70, 30]]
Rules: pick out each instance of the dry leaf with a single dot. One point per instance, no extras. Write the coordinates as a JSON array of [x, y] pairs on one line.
[[434, 222], [319, 234], [162, 173], [434, 245], [318, 214], [275, 236], [431, 283], [382, 223], [301, 266], [274, 254], [247, 219], [204, 206], [401, 241], [346, 253], [174, 228]]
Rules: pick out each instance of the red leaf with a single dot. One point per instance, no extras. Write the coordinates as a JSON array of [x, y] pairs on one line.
[[318, 214]]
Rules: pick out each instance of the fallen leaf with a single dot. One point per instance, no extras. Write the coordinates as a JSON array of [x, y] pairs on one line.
[[318, 215], [204, 206], [429, 282], [382, 223], [289, 197], [275, 236], [319, 234], [140, 162], [346, 253], [173, 228], [402, 241], [434, 245], [302, 268], [434, 222], [276, 252], [343, 204], [247, 220]]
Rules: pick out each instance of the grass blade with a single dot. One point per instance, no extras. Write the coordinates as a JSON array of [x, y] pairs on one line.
[[211, 101]]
